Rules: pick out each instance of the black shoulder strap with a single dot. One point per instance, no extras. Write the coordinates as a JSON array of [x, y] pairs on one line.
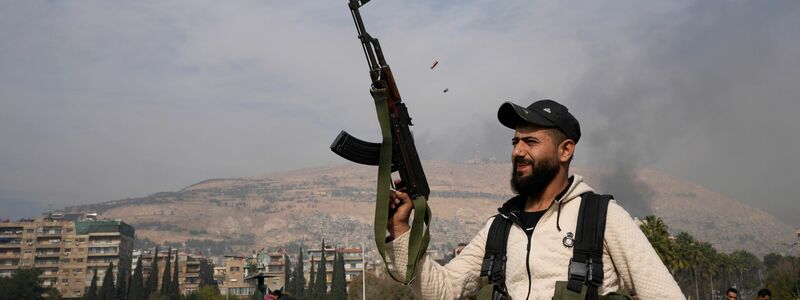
[[494, 257], [586, 266]]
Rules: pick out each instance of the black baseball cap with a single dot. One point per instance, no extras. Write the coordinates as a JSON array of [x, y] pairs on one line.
[[545, 113]]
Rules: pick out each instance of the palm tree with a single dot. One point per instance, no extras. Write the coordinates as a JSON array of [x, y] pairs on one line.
[[658, 235], [686, 258], [725, 266], [708, 262]]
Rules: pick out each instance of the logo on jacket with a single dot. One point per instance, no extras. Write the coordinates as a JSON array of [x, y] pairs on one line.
[[568, 240]]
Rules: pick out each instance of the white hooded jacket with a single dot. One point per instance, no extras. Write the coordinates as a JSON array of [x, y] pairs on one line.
[[533, 267]]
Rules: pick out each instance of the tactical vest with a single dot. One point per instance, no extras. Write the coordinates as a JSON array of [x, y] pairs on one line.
[[585, 268]]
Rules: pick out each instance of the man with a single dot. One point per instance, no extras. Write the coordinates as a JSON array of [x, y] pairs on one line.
[[732, 294], [546, 212], [764, 294]]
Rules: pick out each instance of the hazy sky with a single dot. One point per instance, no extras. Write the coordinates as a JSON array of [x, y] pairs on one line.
[[105, 100]]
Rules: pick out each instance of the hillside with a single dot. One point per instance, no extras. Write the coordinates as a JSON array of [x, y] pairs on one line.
[[336, 202]]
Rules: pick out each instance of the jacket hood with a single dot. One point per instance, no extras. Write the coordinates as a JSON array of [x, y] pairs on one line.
[[575, 189]]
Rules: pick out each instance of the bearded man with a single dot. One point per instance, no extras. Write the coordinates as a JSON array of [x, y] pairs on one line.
[[545, 216]]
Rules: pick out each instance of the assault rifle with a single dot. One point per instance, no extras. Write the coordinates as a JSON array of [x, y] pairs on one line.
[[406, 161], [396, 153]]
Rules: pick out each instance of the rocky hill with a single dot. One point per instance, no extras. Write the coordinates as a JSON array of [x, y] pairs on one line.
[[336, 202]]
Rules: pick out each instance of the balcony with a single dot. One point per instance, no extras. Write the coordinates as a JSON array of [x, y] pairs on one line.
[[10, 233], [101, 254], [44, 241], [10, 254], [101, 263], [48, 234], [9, 263], [46, 263], [48, 254], [102, 251], [10, 242], [103, 234]]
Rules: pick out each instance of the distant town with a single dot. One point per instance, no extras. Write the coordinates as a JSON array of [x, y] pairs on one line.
[[72, 254]]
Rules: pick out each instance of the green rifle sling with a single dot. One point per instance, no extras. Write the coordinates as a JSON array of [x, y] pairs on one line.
[[420, 235]]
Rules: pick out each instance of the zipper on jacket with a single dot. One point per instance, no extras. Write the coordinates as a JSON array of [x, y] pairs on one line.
[[515, 219], [528, 266]]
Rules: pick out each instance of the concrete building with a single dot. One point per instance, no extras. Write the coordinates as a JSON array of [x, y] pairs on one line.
[[230, 278], [188, 267], [275, 268], [68, 249], [353, 262]]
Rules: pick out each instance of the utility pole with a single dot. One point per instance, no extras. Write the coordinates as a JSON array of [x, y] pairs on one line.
[[363, 275]]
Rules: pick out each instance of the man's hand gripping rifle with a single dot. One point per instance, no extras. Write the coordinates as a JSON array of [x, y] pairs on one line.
[[396, 153]]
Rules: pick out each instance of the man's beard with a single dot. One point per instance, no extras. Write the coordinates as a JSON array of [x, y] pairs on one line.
[[542, 174]]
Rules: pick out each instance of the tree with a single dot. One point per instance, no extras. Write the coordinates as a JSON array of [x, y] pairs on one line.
[[656, 231], [166, 279], [771, 260], [123, 277], [137, 282], [24, 283], [708, 264], [784, 278], [175, 290], [320, 283], [287, 273], [312, 278], [208, 292], [339, 280], [91, 294], [684, 261], [107, 291], [298, 286], [257, 295], [747, 267], [379, 288], [207, 274], [52, 294], [152, 277]]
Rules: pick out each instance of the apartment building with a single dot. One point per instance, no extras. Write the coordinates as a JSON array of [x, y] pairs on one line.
[[188, 267], [230, 278], [68, 249], [353, 262], [275, 266]]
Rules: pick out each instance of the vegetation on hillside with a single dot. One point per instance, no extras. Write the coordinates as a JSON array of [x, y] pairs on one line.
[[702, 271]]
